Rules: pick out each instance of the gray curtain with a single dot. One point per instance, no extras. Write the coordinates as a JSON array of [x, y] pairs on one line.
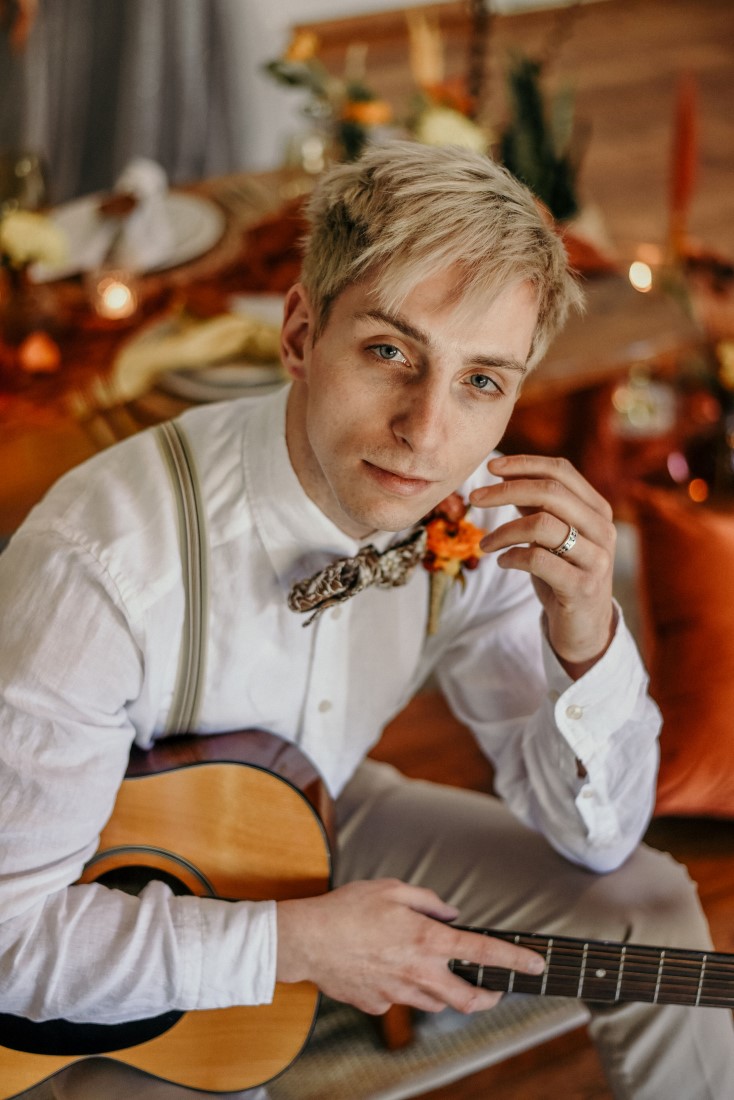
[[102, 81], [180, 81]]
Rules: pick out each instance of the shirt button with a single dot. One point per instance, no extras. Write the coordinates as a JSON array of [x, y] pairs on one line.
[[574, 711], [324, 706], [587, 793], [336, 613]]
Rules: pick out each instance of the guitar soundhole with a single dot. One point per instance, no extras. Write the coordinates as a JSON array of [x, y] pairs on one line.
[[62, 1037], [65, 1038], [133, 878]]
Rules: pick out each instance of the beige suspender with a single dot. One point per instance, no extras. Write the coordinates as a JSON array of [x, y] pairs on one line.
[[188, 689]]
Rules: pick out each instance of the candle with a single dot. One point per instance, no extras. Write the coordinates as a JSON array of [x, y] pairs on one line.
[[640, 275], [646, 267], [114, 294]]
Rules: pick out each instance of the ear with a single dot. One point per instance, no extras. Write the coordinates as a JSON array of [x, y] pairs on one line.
[[296, 336]]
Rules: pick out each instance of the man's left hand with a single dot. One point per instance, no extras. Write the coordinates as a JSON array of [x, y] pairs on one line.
[[575, 588]]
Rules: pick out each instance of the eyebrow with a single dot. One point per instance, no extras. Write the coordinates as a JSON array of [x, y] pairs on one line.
[[421, 337]]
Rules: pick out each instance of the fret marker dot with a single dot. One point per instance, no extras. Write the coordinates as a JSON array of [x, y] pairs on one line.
[[601, 973]]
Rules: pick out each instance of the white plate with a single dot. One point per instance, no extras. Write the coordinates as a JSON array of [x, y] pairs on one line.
[[150, 357], [196, 224], [217, 383], [222, 383]]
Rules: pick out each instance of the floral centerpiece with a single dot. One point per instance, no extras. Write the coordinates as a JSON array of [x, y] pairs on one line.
[[345, 106], [443, 110], [442, 116], [352, 113]]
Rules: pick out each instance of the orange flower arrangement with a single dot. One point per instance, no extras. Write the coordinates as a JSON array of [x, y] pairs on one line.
[[347, 105], [452, 546], [367, 112]]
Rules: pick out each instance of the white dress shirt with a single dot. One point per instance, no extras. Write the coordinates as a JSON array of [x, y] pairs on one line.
[[92, 612]]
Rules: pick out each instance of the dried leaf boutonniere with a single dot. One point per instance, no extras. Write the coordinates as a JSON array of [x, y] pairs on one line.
[[452, 546]]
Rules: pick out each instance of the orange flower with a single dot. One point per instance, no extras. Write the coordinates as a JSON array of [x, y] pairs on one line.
[[450, 543], [451, 93], [302, 47], [367, 112]]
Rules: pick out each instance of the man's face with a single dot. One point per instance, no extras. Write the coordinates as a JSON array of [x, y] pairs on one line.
[[391, 412]]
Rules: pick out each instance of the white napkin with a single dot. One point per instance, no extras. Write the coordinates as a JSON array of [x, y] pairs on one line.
[[147, 237], [142, 241]]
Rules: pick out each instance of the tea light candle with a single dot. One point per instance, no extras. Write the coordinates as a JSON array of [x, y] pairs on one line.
[[645, 269], [640, 275], [114, 295]]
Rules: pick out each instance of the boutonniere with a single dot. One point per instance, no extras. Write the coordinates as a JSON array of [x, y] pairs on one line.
[[452, 546]]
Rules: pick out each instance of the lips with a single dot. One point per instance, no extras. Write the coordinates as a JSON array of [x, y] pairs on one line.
[[401, 484]]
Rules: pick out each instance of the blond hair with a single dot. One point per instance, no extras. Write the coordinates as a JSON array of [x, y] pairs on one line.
[[406, 211]]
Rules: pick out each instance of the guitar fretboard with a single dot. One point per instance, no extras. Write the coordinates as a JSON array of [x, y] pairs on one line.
[[598, 970]]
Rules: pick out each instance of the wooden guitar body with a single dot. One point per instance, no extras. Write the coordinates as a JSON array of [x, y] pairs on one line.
[[235, 816]]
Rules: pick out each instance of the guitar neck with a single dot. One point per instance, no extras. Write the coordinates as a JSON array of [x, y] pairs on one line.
[[598, 970]]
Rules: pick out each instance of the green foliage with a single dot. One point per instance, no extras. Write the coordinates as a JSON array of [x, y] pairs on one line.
[[536, 145]]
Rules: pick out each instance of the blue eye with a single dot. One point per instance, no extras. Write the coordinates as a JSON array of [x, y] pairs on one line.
[[386, 351], [482, 381]]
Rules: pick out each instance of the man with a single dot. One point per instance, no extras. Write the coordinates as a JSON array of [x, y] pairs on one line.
[[431, 285]]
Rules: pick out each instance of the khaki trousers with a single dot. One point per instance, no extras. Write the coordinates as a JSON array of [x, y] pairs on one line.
[[475, 855]]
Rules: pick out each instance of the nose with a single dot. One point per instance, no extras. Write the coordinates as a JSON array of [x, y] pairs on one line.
[[421, 422]]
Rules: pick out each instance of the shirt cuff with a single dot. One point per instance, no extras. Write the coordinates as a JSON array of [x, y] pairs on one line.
[[589, 710], [238, 951]]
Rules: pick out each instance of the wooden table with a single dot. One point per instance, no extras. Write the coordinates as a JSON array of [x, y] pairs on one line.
[[40, 438]]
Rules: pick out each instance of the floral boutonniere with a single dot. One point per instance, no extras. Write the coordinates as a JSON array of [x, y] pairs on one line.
[[452, 546]]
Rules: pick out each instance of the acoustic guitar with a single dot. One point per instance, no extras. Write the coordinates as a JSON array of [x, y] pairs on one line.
[[245, 816], [236, 816]]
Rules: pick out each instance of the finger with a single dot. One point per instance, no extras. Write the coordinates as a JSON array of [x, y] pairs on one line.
[[426, 901], [462, 996], [480, 950], [404, 995], [552, 468], [425, 1002], [485, 950], [546, 498], [540, 494], [542, 530], [573, 579]]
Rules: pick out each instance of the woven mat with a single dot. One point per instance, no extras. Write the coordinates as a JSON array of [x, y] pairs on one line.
[[345, 1056]]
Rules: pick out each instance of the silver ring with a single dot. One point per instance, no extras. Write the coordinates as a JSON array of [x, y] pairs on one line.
[[568, 543]]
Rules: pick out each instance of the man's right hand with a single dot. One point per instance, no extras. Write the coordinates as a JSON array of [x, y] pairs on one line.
[[375, 944]]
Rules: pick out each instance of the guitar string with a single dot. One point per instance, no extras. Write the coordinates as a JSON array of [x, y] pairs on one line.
[[596, 988], [673, 970], [640, 952], [603, 949]]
